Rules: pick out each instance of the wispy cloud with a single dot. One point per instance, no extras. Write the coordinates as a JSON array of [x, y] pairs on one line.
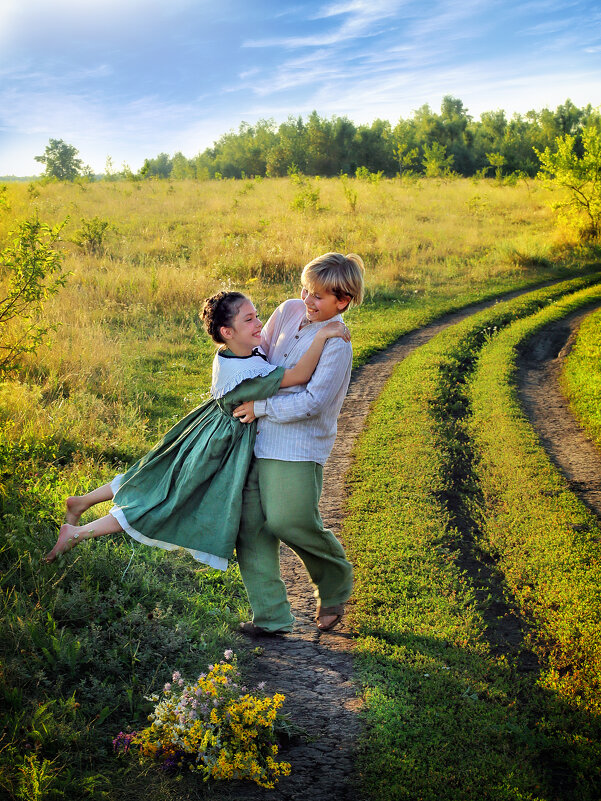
[[362, 19]]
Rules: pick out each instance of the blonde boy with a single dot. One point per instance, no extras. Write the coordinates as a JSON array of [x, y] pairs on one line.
[[295, 434]]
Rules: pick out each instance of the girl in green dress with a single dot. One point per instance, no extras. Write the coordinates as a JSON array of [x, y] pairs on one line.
[[187, 491]]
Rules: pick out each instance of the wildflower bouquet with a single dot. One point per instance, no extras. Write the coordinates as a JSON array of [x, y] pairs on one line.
[[214, 727]]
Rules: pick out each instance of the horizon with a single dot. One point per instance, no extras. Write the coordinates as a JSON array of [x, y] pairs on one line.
[[153, 79]]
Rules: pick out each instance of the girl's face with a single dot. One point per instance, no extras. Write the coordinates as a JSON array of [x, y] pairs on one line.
[[321, 305], [245, 332]]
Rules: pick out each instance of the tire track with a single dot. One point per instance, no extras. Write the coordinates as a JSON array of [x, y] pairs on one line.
[[541, 397]]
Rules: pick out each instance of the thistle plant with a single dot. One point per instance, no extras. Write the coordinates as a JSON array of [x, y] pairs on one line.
[[213, 727]]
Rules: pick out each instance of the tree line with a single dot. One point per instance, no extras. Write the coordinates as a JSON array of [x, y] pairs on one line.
[[427, 143]]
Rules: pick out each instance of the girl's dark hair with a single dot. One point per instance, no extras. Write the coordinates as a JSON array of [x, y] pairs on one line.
[[220, 310]]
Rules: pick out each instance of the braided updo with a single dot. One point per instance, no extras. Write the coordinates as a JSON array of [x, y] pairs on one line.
[[220, 310]]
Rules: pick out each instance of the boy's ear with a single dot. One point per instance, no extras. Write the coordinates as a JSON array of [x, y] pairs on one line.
[[344, 303]]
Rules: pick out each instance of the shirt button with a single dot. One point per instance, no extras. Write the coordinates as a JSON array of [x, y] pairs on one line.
[[296, 337], [285, 354], [308, 415]]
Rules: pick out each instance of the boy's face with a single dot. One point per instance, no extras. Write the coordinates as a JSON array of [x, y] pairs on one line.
[[321, 305]]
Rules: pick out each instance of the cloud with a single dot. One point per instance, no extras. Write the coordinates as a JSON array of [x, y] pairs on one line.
[[362, 20]]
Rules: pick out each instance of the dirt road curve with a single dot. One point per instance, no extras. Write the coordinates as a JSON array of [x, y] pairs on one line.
[[540, 395], [315, 670]]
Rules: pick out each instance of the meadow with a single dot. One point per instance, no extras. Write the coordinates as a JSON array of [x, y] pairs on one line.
[[84, 642]]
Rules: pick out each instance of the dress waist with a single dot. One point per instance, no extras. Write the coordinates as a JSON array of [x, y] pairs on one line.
[[222, 409]]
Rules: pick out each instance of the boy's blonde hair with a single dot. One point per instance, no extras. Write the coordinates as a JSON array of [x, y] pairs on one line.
[[341, 275]]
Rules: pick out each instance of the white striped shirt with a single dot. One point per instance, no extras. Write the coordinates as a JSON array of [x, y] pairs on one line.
[[299, 423]]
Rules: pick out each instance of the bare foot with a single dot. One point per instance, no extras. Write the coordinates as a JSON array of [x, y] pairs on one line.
[[76, 506], [67, 538]]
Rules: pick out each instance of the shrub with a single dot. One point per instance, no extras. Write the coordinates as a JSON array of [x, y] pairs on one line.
[[31, 267], [580, 177], [90, 237]]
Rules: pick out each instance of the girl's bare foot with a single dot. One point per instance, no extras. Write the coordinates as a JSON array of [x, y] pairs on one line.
[[68, 538], [76, 506]]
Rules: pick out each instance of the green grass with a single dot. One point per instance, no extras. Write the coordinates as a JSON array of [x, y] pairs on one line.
[[452, 710], [582, 376], [545, 540]]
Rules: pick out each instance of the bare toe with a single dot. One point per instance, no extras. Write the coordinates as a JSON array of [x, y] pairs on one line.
[[67, 538]]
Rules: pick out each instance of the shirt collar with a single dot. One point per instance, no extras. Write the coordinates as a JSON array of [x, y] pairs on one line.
[[337, 318]]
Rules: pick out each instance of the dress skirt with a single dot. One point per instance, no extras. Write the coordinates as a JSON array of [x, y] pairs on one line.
[[187, 491]]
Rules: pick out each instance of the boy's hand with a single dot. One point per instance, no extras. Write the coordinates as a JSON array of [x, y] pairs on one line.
[[245, 412], [335, 329]]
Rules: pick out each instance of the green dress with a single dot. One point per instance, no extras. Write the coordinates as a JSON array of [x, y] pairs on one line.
[[187, 491]]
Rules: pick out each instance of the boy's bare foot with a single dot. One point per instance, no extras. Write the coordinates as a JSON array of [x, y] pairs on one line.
[[67, 538], [76, 506]]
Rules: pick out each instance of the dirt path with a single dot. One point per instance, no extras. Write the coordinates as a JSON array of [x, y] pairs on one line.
[[312, 669], [549, 413]]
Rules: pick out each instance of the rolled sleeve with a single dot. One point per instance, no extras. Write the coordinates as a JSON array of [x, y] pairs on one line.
[[260, 407]]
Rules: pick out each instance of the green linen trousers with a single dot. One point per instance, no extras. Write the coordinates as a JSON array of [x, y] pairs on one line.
[[281, 503]]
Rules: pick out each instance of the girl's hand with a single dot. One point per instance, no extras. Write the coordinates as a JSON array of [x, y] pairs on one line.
[[245, 412], [335, 329]]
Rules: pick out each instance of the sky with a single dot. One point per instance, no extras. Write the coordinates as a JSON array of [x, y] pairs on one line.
[[132, 78]]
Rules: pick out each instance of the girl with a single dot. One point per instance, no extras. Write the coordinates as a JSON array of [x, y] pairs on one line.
[[187, 491]]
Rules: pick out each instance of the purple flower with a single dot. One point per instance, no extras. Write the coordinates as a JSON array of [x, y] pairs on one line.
[[167, 687], [228, 654], [261, 685], [177, 676], [123, 741]]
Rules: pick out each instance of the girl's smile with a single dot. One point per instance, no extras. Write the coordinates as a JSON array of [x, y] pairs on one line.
[[245, 332]]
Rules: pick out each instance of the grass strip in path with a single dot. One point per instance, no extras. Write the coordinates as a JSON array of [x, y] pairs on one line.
[[582, 376], [453, 707], [545, 540]]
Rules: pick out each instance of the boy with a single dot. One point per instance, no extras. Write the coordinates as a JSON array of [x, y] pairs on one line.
[[295, 434]]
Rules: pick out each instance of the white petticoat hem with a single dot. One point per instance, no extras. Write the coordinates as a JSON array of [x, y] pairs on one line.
[[217, 562]]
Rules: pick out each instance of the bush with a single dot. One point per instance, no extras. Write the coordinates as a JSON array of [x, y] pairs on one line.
[[90, 237], [31, 268], [580, 176]]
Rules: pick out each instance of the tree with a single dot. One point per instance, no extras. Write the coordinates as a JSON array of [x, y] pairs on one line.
[[579, 176], [30, 267], [436, 162], [61, 160], [182, 167], [497, 160], [159, 167]]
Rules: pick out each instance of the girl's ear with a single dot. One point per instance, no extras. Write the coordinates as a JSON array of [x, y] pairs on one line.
[[226, 332]]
